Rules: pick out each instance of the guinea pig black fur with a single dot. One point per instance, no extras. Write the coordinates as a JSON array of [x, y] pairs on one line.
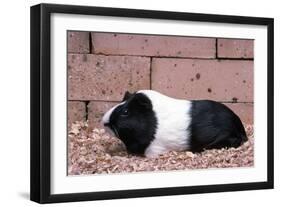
[[151, 123]]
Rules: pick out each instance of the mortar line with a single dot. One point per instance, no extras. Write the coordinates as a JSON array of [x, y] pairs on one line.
[[88, 101], [86, 109], [216, 54], [90, 44], [166, 57], [150, 75], [243, 102]]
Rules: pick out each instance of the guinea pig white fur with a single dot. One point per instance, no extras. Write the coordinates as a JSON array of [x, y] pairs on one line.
[[151, 123]]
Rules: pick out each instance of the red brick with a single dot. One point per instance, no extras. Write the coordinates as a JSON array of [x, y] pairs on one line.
[[224, 80], [78, 42], [244, 110], [99, 77], [76, 111], [152, 45], [96, 110], [235, 48]]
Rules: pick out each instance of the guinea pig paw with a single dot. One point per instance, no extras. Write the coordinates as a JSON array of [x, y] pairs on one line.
[[151, 154], [154, 150]]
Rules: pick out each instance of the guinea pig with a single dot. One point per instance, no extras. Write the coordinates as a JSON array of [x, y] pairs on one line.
[[150, 123]]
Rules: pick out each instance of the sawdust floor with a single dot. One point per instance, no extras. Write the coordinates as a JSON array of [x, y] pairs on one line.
[[93, 151]]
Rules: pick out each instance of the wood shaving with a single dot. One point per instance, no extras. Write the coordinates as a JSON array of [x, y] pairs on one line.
[[93, 151]]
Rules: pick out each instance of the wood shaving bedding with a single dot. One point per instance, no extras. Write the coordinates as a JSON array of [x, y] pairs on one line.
[[93, 151]]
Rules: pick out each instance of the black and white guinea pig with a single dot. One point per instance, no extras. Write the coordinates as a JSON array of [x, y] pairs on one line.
[[151, 123]]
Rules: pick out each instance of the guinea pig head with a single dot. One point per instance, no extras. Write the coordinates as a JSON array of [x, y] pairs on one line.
[[132, 121]]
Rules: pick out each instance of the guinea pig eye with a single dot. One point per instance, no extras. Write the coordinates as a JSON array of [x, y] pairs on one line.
[[125, 112]]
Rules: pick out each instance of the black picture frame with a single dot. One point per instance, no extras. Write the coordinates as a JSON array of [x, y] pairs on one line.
[[41, 99]]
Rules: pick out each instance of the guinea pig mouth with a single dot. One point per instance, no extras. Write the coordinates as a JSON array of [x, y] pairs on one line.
[[115, 131], [113, 128]]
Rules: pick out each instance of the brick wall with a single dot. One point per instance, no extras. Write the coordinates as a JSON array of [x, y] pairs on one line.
[[102, 66]]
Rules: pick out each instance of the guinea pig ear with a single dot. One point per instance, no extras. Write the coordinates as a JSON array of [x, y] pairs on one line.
[[127, 96], [141, 101]]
